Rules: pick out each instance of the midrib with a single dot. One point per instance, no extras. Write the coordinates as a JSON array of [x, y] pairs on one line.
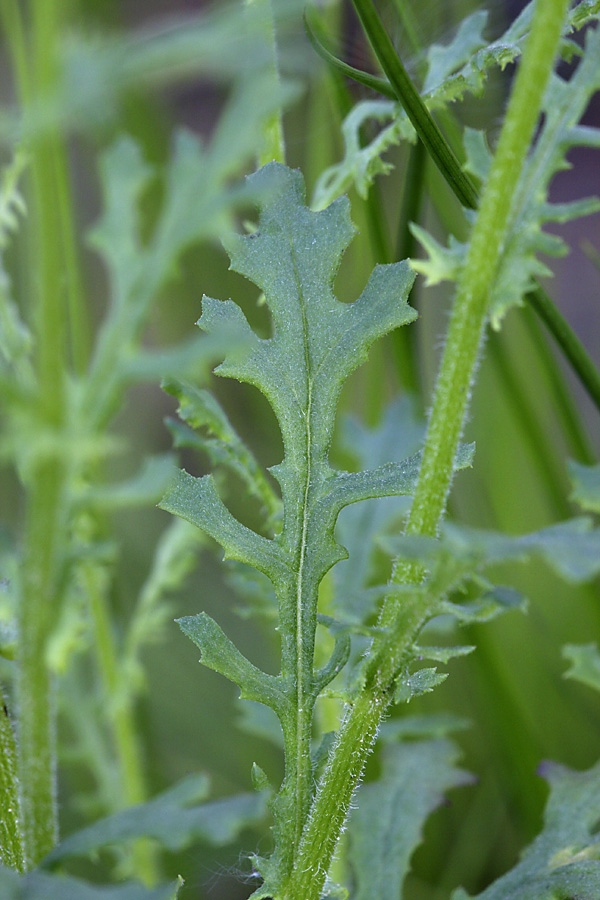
[[301, 750]]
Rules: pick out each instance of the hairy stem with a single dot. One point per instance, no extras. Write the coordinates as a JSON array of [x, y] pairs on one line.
[[457, 370], [44, 521]]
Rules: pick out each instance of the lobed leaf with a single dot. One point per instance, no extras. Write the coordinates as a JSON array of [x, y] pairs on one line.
[[175, 819], [586, 485], [388, 824], [44, 886], [564, 860], [316, 343], [564, 104], [585, 663]]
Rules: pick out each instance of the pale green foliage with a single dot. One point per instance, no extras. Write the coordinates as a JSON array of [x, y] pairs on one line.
[[388, 823], [585, 664], [15, 338], [38, 885], [399, 433], [564, 104], [453, 70], [316, 343], [226, 42], [586, 485], [570, 548], [564, 860], [176, 818]]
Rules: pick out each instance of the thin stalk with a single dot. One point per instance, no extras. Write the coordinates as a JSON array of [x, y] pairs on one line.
[[459, 362], [79, 332], [44, 524], [568, 341], [567, 412], [12, 849]]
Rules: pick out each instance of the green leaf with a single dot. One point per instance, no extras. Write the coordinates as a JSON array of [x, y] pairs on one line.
[[570, 548], [220, 654], [443, 61], [175, 819], [43, 886], [564, 104], [388, 824], [423, 681], [214, 434], [359, 525], [585, 663], [454, 70], [564, 860], [144, 489], [316, 343], [586, 485]]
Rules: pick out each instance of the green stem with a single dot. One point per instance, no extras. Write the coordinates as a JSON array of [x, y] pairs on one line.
[[412, 198], [358, 730], [44, 520], [12, 850], [568, 341]]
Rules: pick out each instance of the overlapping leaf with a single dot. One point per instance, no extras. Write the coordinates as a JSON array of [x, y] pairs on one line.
[[564, 104], [564, 860], [570, 548], [43, 886], [176, 818], [388, 824], [453, 70]]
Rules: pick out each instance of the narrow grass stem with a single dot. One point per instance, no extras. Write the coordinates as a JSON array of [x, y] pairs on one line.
[[44, 519], [457, 370], [424, 124]]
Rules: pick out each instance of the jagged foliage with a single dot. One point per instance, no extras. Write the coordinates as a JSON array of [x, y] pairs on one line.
[[316, 343], [564, 105], [453, 70]]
